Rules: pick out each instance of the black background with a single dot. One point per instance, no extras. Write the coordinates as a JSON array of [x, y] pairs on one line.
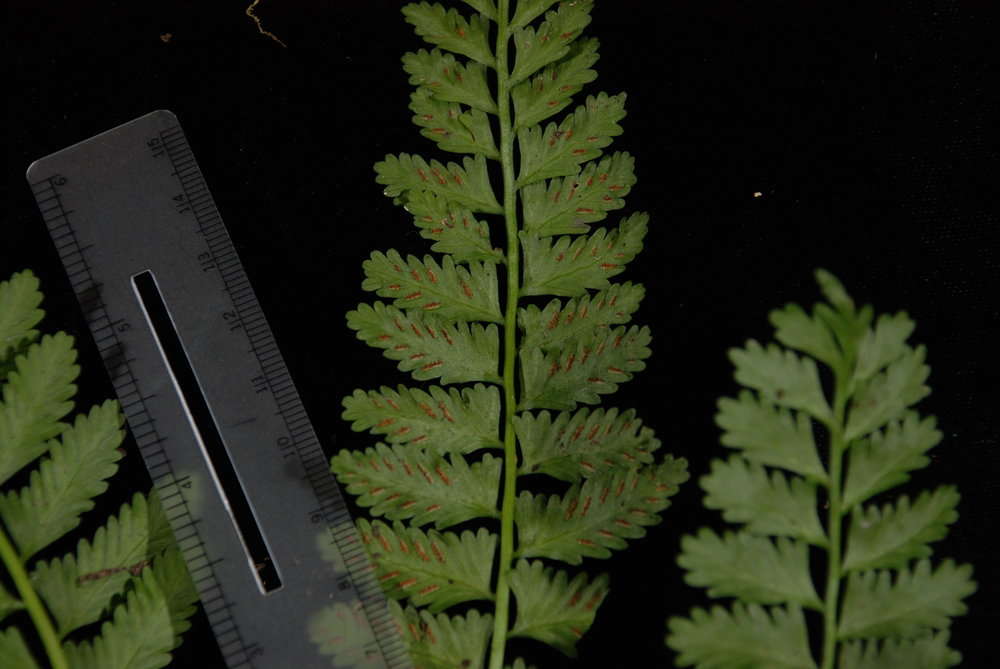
[[866, 128]]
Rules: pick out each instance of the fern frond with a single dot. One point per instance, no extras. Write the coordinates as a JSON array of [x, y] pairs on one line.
[[560, 323], [745, 493], [442, 641], [877, 605], [553, 609], [745, 636], [450, 80], [64, 485], [451, 31], [343, 632], [427, 346], [452, 128], [770, 435], [558, 150], [551, 90], [399, 483], [898, 533], [567, 205], [75, 590], [536, 48], [752, 568], [865, 418], [451, 291], [20, 298], [467, 185], [586, 371], [36, 395], [441, 421], [597, 515], [572, 351], [570, 266], [433, 569], [452, 229], [576, 445]]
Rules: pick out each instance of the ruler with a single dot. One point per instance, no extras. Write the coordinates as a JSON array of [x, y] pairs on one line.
[[259, 518]]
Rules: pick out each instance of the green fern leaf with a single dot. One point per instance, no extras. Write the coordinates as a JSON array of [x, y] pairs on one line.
[[585, 371], [449, 290], [746, 636], [885, 458], [450, 80], [767, 504], [64, 485], [782, 378], [452, 128], [752, 568], [138, 637], [434, 569], [427, 346], [527, 11], [553, 609], [79, 586], [576, 445], [537, 48], [452, 229], [441, 421], [770, 435], [551, 90], [443, 642], [896, 534], [343, 632], [597, 515], [888, 394], [874, 377], [570, 266], [467, 185], [402, 483], [558, 150], [876, 605], [36, 395], [20, 297], [451, 31], [567, 205], [14, 651], [573, 351], [559, 324], [929, 652]]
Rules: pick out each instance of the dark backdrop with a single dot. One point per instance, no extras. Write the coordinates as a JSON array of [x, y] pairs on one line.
[[865, 130]]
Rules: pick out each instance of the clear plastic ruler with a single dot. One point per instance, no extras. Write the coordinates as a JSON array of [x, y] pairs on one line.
[[261, 521]]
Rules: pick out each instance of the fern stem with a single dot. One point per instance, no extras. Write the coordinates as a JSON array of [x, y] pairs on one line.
[[502, 612], [39, 616], [834, 524]]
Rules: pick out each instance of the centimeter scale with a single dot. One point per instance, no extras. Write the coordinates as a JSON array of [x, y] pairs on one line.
[[261, 521]]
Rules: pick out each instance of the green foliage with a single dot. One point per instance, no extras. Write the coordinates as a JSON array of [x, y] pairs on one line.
[[527, 368], [884, 605], [129, 578]]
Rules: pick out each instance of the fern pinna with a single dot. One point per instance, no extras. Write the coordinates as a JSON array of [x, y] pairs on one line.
[[129, 577], [884, 605], [452, 455]]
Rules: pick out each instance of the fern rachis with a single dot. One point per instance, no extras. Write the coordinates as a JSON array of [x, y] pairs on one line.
[[446, 320], [883, 605]]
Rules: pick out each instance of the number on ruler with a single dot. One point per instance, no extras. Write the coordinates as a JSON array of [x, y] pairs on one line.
[[156, 146]]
